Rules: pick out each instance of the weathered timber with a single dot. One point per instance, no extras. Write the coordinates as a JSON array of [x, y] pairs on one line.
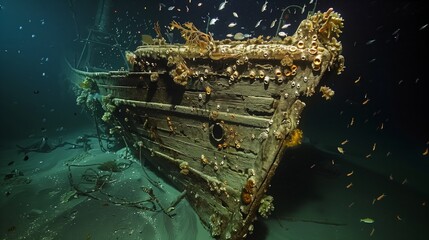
[[215, 117]]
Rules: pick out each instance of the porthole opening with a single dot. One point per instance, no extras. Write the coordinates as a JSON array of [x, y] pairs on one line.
[[218, 132]]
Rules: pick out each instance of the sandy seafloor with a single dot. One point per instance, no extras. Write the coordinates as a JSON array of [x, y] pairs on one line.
[[311, 198]]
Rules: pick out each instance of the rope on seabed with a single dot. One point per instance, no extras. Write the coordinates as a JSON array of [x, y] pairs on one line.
[[92, 176]]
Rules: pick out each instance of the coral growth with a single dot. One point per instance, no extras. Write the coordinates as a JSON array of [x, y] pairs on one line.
[[329, 23], [327, 92], [181, 73], [131, 58], [266, 206], [294, 138], [87, 84], [193, 36]]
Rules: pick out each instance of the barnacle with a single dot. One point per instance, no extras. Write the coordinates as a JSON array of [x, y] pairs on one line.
[[246, 197], [208, 90], [184, 168], [286, 61], [154, 77], [294, 138]]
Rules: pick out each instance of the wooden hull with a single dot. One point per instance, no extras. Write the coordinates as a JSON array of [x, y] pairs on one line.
[[217, 121]]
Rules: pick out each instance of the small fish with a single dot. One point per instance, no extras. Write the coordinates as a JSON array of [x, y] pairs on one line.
[[303, 9], [222, 5], [171, 8], [381, 197], [258, 23], [340, 150], [350, 185], [344, 142], [273, 23], [367, 220], [311, 1], [214, 20], [357, 80], [349, 174], [264, 7], [246, 35], [395, 32], [235, 14], [229, 35], [199, 4], [425, 152], [282, 34], [233, 24], [285, 26], [370, 42], [374, 146], [423, 27]]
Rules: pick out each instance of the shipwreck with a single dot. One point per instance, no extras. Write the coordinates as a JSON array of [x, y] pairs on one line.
[[216, 116]]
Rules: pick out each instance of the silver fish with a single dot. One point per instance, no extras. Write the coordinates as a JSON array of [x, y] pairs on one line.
[[258, 23], [233, 24], [235, 14], [273, 23], [264, 7], [370, 42], [222, 5], [214, 20], [285, 26]]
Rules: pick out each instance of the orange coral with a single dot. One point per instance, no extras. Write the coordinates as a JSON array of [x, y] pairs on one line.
[[294, 138], [193, 36], [246, 197]]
